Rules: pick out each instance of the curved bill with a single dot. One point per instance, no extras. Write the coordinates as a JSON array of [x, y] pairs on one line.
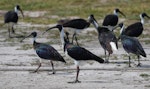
[[49, 29], [121, 13], [25, 37], [21, 12], [147, 16]]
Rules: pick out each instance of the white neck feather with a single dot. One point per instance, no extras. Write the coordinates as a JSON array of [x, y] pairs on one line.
[[34, 39], [96, 24], [122, 29], [62, 37], [16, 10], [115, 13], [142, 19]]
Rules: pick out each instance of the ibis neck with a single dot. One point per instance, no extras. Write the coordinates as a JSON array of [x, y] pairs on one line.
[[95, 24], [142, 19], [16, 10], [115, 13], [62, 37], [122, 30], [34, 40]]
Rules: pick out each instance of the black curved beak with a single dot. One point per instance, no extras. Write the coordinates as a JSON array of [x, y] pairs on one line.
[[122, 13], [21, 12], [92, 19], [148, 16], [25, 38], [49, 29]]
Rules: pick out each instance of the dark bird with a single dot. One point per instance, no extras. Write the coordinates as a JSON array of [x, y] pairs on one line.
[[11, 17], [77, 53], [76, 24], [136, 29], [111, 20], [106, 38], [45, 51], [131, 45]]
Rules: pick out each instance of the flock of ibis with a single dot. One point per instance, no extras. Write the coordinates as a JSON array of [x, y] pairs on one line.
[[106, 37]]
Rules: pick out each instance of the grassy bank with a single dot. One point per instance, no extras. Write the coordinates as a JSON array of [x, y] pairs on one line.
[[81, 8]]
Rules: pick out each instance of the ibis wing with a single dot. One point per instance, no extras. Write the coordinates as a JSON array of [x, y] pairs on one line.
[[48, 52], [10, 16], [134, 30], [111, 20]]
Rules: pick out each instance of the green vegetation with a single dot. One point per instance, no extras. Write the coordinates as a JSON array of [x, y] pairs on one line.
[[144, 75], [80, 8]]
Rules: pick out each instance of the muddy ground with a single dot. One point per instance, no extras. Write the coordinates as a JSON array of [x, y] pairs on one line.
[[18, 60]]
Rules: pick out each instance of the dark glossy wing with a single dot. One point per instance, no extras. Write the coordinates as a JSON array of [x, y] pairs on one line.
[[132, 45], [48, 52], [11, 16], [79, 53], [77, 24], [111, 20], [134, 30]]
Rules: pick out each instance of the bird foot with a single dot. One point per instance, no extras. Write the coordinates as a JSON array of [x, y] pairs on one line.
[[51, 73], [13, 31], [76, 81], [34, 72], [106, 61], [139, 65]]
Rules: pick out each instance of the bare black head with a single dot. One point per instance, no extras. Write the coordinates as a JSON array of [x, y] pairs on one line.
[[144, 15], [17, 7], [120, 25], [91, 18], [118, 11]]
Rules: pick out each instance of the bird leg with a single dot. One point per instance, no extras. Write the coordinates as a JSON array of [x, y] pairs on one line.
[[38, 68], [12, 28], [53, 71], [76, 81], [9, 32], [139, 64], [106, 60], [74, 37], [129, 61], [76, 40]]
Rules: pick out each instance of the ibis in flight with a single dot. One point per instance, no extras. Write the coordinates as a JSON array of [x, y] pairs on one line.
[[76, 52], [45, 51], [11, 17]]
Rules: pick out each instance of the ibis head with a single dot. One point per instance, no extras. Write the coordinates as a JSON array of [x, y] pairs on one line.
[[17, 7], [118, 11]]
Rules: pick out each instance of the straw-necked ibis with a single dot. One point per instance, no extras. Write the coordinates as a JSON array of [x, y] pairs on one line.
[[76, 52], [106, 38], [45, 51], [76, 24], [136, 29], [111, 20], [131, 45], [11, 17]]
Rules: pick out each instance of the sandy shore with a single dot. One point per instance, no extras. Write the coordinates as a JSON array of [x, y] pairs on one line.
[[18, 60]]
